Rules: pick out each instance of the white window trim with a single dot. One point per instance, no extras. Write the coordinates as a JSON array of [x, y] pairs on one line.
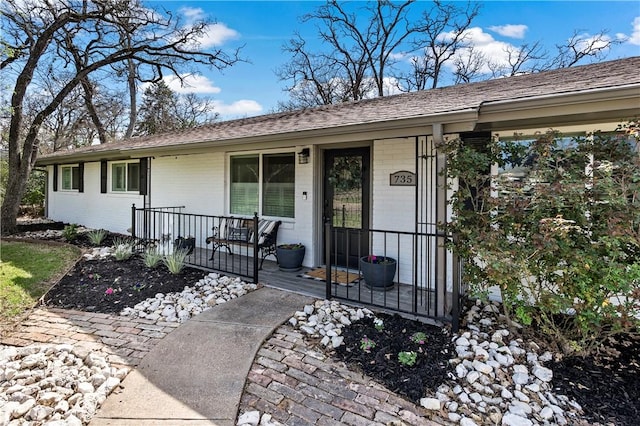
[[260, 155], [110, 177], [68, 166]]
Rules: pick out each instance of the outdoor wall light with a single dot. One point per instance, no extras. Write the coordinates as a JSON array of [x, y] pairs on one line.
[[303, 156]]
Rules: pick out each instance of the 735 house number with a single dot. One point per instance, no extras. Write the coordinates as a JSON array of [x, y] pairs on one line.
[[402, 178]]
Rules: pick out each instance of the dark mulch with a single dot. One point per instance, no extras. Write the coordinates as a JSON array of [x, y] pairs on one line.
[[85, 287], [382, 362], [607, 387]]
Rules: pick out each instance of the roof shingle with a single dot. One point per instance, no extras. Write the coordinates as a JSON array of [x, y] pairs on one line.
[[450, 99]]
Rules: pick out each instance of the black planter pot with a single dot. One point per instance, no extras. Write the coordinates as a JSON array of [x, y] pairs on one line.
[[188, 244], [378, 276], [290, 259]]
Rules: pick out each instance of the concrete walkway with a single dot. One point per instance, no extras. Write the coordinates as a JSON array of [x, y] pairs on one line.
[[196, 374]]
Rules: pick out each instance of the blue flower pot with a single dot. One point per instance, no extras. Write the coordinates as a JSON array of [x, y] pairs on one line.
[[378, 276], [290, 260]]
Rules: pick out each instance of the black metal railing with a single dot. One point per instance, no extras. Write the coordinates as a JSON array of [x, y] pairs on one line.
[[425, 277], [168, 228]]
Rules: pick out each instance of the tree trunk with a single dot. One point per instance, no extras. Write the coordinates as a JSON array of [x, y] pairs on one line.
[[16, 185]]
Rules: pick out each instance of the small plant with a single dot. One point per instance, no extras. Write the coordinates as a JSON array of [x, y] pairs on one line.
[[379, 260], [70, 232], [109, 291], [294, 246], [408, 358], [378, 324], [367, 344], [123, 249], [175, 261], [152, 257], [419, 337], [97, 236], [138, 286]]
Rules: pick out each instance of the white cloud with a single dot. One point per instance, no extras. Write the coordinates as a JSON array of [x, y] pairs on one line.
[[241, 108], [217, 34], [192, 13], [634, 38], [510, 30], [493, 50], [191, 83]]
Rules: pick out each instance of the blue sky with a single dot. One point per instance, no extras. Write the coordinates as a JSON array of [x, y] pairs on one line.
[[262, 27]]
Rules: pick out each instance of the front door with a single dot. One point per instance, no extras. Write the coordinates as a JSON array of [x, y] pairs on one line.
[[346, 203]]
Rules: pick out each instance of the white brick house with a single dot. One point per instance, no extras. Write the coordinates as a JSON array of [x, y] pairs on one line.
[[208, 170]]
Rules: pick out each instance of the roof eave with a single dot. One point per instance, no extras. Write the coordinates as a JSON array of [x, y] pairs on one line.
[[585, 106]]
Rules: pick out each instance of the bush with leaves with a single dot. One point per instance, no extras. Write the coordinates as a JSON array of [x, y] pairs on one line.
[[562, 243], [70, 232]]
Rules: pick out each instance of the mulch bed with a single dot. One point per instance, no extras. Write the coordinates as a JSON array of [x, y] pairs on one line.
[[86, 286], [382, 362], [606, 386]]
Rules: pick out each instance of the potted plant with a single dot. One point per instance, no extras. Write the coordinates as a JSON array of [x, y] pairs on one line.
[[378, 271], [290, 256]]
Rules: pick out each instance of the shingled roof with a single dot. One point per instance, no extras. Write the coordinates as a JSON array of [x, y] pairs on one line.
[[446, 100]]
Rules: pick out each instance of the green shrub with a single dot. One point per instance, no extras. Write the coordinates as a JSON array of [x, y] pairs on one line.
[[152, 257], [563, 242], [70, 232], [123, 249], [175, 261], [97, 236]]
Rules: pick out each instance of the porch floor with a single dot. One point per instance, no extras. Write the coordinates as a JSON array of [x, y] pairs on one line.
[[397, 299]]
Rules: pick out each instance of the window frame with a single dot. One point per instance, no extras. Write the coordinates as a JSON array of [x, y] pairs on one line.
[[260, 181], [129, 187], [75, 168]]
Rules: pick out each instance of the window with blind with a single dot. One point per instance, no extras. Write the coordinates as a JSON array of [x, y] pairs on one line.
[[264, 184], [70, 178], [125, 177]]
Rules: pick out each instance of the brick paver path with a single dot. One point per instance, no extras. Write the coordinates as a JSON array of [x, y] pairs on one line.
[[301, 386], [289, 380], [123, 340]]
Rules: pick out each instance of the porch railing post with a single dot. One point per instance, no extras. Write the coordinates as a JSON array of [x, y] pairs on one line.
[[256, 237], [457, 281], [133, 220], [327, 257]]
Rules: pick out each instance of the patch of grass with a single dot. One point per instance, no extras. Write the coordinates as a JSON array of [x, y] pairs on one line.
[[27, 270]]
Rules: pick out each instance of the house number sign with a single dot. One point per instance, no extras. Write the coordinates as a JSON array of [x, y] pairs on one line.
[[402, 178]]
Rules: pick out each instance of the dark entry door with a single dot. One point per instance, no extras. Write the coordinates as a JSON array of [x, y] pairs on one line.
[[346, 203]]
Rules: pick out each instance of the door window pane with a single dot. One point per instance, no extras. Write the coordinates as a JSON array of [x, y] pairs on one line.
[[244, 185], [278, 191]]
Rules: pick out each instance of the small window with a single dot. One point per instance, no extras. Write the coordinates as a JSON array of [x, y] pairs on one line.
[[70, 178], [125, 177]]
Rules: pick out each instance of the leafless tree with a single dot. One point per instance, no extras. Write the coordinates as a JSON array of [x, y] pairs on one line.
[[51, 34], [443, 32], [358, 56], [525, 58], [468, 66], [580, 46]]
